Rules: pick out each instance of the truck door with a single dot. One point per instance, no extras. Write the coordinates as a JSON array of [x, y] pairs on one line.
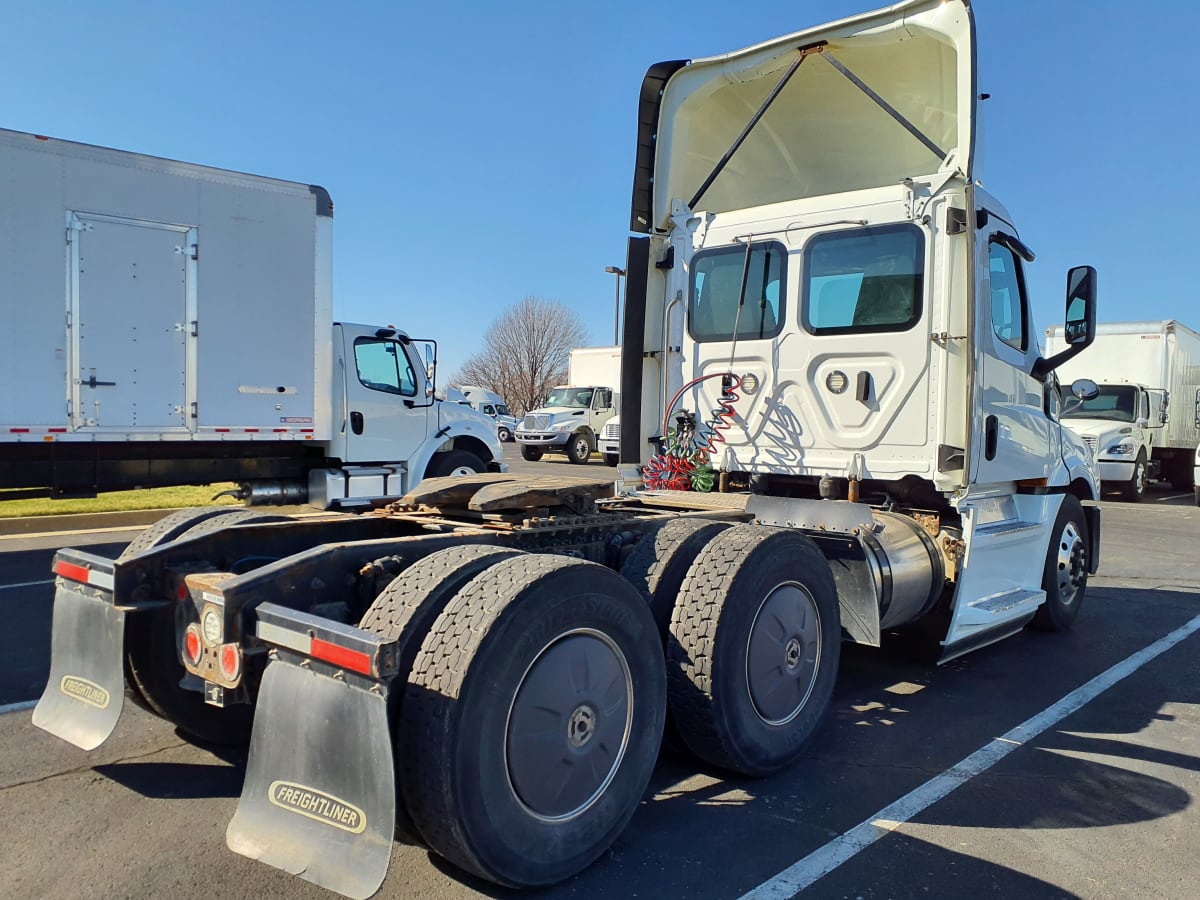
[[387, 410], [1014, 437], [132, 315]]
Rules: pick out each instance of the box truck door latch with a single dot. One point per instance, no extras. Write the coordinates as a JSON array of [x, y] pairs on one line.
[[92, 382]]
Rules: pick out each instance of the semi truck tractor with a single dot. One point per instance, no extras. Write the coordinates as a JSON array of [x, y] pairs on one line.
[[494, 406], [170, 323], [836, 421], [1145, 421], [574, 415]]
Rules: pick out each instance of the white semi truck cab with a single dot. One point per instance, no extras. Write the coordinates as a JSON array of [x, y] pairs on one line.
[[835, 421]]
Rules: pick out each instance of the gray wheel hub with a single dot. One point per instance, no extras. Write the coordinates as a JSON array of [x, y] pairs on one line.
[[783, 653], [569, 725], [1071, 564]]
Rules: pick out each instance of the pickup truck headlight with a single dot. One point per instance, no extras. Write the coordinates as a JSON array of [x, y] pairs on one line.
[[1124, 448]]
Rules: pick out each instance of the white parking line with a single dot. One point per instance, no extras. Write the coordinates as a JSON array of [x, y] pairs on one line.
[[17, 707], [5, 587], [824, 860]]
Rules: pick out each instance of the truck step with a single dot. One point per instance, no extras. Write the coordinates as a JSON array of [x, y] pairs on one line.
[[999, 603]]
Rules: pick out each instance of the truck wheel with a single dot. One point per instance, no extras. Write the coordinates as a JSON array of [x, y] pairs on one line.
[[532, 718], [1064, 578], [530, 453], [1133, 490], [503, 434], [455, 462], [579, 449], [754, 647], [611, 459], [164, 530], [405, 611], [153, 665], [659, 562]]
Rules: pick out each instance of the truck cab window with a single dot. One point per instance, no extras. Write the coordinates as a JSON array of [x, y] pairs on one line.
[[716, 293], [1115, 402], [864, 280], [1009, 316], [383, 366]]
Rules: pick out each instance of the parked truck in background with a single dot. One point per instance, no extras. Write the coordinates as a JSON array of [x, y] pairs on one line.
[[574, 415], [1145, 421], [828, 336], [492, 405], [169, 323]]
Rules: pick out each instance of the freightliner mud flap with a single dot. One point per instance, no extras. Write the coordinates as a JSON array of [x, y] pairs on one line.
[[86, 691], [319, 799]]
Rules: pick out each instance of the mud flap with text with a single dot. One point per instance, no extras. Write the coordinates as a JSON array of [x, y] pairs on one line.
[[319, 799], [86, 690]]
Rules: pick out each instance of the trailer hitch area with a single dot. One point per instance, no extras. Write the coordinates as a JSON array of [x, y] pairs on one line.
[[319, 798], [86, 690]]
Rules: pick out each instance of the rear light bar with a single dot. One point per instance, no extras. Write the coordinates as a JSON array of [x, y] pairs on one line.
[[84, 568], [330, 642]]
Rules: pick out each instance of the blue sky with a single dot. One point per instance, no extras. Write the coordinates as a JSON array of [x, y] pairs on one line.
[[479, 151]]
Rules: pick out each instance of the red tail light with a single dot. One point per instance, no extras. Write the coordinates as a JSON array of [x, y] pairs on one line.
[[191, 644], [231, 661]]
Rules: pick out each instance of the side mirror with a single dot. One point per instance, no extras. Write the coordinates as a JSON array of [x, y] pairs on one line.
[[1079, 325], [1080, 321], [1084, 389]]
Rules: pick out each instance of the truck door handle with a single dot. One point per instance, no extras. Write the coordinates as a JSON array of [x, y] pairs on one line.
[[991, 436], [356, 421]]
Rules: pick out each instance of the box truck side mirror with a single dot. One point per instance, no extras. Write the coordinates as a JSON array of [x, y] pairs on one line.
[[1079, 325]]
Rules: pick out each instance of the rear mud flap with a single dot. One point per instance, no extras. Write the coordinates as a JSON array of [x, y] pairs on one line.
[[319, 800], [86, 690]]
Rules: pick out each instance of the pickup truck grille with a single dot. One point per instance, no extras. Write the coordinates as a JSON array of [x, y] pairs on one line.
[[612, 431], [536, 423]]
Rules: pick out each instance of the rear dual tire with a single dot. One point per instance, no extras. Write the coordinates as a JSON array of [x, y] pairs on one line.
[[531, 720], [406, 610], [753, 650]]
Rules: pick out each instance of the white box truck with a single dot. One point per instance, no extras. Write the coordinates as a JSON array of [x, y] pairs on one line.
[[1145, 421], [574, 415], [169, 323], [504, 649]]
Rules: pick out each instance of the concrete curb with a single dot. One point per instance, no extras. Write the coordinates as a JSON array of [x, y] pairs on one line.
[[138, 518]]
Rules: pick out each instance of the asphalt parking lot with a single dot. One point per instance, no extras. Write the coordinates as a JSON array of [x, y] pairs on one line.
[[1043, 766]]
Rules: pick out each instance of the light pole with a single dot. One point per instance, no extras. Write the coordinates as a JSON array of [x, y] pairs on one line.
[[614, 270]]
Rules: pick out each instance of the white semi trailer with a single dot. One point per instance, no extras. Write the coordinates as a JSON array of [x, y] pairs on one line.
[[169, 323], [826, 328], [1145, 420]]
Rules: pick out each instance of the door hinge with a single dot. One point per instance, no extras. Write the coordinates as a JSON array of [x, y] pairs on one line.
[[195, 410], [192, 250]]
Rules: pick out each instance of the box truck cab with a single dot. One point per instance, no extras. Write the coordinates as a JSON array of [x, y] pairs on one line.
[[574, 416], [1145, 423], [1120, 425]]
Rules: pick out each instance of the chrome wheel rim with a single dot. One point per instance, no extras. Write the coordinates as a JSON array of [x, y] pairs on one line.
[[1070, 564], [569, 725], [783, 653]]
